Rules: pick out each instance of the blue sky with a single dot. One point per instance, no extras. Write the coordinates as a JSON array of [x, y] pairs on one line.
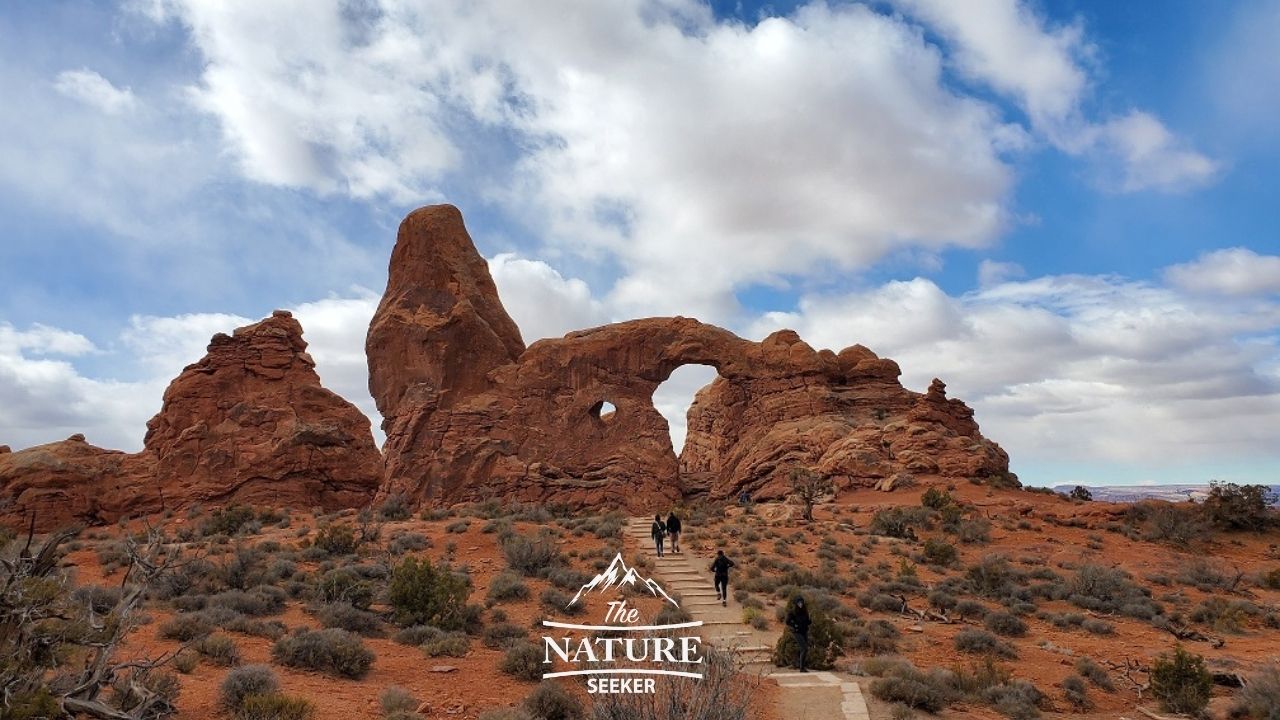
[[1065, 210]]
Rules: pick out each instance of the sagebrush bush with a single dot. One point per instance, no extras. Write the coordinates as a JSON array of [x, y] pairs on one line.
[[336, 539], [422, 594], [218, 649], [1180, 682], [332, 651], [1006, 624], [185, 627], [275, 706], [507, 585], [899, 522], [1017, 699], [937, 551], [451, 644], [244, 681], [981, 642], [549, 701], [1259, 699], [344, 585], [1095, 673], [523, 660], [396, 699], [929, 691], [503, 635], [346, 617], [531, 556], [1076, 692], [395, 507]]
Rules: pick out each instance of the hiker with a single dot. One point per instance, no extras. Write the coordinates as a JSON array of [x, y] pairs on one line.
[[798, 621], [720, 567], [659, 531], [673, 528]]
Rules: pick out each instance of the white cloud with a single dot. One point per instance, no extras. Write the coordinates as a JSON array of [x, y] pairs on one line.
[[1067, 368], [1044, 68], [92, 89], [643, 131], [542, 301], [991, 272], [1231, 271]]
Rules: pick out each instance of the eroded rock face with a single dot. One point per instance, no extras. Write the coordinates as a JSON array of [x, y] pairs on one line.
[[472, 418], [248, 423]]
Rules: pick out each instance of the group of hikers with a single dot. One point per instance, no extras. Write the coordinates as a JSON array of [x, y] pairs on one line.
[[797, 619]]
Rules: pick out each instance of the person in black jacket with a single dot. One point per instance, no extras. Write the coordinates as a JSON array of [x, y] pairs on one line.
[[720, 568], [659, 531], [673, 529], [798, 621]]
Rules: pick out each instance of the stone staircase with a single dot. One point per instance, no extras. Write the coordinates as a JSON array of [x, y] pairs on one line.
[[688, 577]]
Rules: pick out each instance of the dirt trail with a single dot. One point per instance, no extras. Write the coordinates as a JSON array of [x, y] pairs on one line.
[[803, 696]]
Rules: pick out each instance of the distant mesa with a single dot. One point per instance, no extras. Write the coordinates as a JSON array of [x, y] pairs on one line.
[[471, 413], [618, 575]]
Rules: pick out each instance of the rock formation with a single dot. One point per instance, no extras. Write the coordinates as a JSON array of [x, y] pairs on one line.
[[470, 414], [249, 423]]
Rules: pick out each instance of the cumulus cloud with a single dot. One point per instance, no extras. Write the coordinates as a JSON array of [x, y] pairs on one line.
[[92, 89], [991, 272], [1232, 271], [543, 302], [646, 133], [1061, 368], [1044, 68]]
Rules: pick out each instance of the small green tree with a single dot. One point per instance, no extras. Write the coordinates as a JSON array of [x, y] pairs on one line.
[[1080, 493], [826, 641], [423, 594], [936, 499], [1180, 682], [1239, 507], [808, 487]]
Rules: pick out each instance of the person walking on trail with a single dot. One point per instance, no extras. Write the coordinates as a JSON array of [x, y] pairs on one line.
[[720, 568], [659, 531], [798, 621], [673, 528]]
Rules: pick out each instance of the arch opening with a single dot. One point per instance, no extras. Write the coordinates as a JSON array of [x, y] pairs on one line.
[[604, 411], [674, 396]]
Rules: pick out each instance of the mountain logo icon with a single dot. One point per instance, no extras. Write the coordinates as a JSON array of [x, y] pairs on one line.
[[619, 574]]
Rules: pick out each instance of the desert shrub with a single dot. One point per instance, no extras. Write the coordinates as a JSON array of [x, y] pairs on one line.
[[549, 701], [558, 601], [1006, 624], [396, 699], [450, 644], [244, 681], [218, 649], [971, 609], [993, 577], [1239, 507], [275, 706], [671, 615], [227, 520], [936, 498], [567, 578], [395, 507], [346, 617], [261, 600], [97, 598], [185, 627], [344, 585], [502, 635], [972, 531], [899, 522], [981, 642], [507, 586], [877, 636], [826, 640], [1179, 524], [1110, 590], [531, 556], [755, 618], [458, 527], [1259, 699], [337, 539], [332, 651], [523, 660], [929, 691], [1017, 699], [1076, 692], [1270, 579], [403, 542], [1080, 493], [423, 594], [1180, 682], [939, 552], [185, 662], [417, 634], [1098, 627], [1095, 674]]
